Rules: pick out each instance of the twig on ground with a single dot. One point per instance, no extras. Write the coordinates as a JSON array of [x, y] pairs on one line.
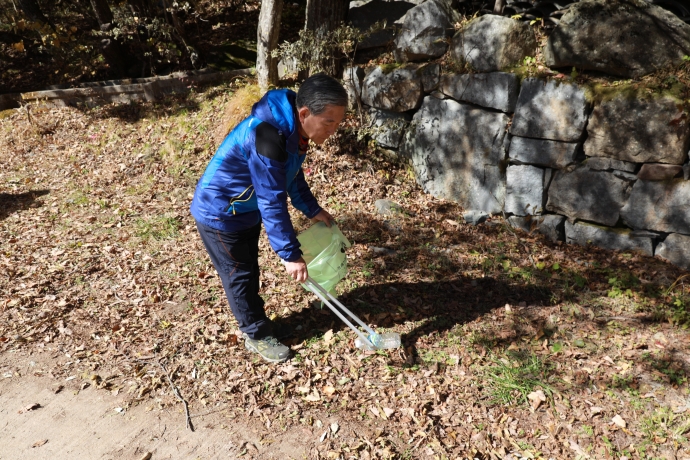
[[177, 393]]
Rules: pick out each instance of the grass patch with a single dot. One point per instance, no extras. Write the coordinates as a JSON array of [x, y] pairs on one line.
[[512, 378], [158, 228]]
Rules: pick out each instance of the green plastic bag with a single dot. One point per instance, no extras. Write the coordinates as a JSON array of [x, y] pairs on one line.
[[323, 249]]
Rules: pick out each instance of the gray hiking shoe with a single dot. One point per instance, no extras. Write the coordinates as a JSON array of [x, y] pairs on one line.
[[269, 348]]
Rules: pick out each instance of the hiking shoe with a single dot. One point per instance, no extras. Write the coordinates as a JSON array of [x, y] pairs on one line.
[[269, 348], [281, 330]]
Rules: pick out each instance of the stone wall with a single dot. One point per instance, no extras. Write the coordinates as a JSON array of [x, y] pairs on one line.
[[611, 172]]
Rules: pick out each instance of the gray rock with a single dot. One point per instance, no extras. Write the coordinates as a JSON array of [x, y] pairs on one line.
[[474, 217], [551, 226], [676, 249], [382, 251], [389, 127], [490, 43], [607, 164], [639, 131], [617, 239], [352, 81], [364, 15], [550, 110], [553, 154], [398, 89], [596, 196], [661, 206], [457, 151], [387, 207], [430, 75], [496, 90], [630, 177], [424, 30], [629, 38], [657, 171], [524, 190], [287, 67]]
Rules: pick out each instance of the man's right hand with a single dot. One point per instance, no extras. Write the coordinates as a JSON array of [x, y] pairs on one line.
[[297, 270]]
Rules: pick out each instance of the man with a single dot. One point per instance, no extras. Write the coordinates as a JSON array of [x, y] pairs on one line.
[[248, 181]]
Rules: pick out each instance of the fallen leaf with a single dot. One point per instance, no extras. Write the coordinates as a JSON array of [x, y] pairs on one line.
[[30, 407], [39, 443], [335, 427], [618, 420], [328, 337], [536, 398]]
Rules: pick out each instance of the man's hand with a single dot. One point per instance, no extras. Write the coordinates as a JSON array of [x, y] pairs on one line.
[[297, 270], [324, 217]]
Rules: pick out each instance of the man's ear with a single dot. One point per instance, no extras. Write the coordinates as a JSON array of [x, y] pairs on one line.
[[303, 113]]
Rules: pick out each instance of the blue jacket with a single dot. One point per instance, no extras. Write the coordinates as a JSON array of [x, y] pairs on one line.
[[252, 174]]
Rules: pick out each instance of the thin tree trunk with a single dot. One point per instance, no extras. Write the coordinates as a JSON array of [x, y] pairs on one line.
[[102, 10], [267, 41], [111, 48], [32, 11], [498, 6]]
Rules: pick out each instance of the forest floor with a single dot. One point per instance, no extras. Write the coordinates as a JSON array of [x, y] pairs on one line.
[[512, 346]]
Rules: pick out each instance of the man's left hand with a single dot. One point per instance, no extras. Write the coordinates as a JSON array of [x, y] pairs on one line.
[[323, 216]]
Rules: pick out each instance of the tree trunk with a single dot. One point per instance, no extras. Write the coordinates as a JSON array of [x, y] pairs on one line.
[[267, 41], [498, 6], [103, 13], [326, 15], [32, 11]]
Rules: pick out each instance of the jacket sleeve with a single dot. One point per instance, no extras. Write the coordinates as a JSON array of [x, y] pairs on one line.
[[270, 182], [301, 196]]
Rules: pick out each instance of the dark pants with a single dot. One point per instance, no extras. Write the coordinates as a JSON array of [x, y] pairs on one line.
[[236, 258]]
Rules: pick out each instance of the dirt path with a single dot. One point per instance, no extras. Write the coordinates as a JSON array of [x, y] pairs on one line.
[[91, 424]]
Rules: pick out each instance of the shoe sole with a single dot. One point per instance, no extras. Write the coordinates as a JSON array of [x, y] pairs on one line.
[[251, 348]]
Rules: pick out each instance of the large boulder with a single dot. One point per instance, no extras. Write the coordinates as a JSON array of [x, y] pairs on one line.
[[550, 110], [496, 90], [618, 239], [490, 43], [457, 153], [388, 126], [596, 196], [393, 88], [552, 154], [424, 31], [676, 249], [629, 38], [639, 131], [661, 206], [524, 190]]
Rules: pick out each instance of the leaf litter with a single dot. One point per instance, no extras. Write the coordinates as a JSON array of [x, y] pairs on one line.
[[581, 353]]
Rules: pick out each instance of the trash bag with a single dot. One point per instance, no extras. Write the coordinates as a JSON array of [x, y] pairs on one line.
[[323, 249]]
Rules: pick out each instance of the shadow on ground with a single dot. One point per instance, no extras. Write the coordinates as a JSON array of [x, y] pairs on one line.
[[14, 202]]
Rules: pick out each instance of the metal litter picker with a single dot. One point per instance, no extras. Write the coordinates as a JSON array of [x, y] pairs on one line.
[[372, 341]]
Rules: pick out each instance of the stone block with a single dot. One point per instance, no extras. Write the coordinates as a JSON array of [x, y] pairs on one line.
[[659, 205], [496, 90], [389, 127], [639, 131], [524, 190], [551, 226], [676, 249], [387, 207], [658, 171], [398, 89], [491, 43], [552, 154], [607, 164], [550, 110], [619, 37], [595, 196], [363, 15], [457, 153], [617, 239], [424, 31], [474, 217]]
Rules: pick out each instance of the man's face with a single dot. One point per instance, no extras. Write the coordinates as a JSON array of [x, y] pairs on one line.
[[320, 127]]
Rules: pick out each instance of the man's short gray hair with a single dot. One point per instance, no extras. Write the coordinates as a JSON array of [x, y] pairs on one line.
[[319, 91]]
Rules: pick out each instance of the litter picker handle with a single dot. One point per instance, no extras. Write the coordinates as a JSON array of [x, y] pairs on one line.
[[343, 307], [318, 290]]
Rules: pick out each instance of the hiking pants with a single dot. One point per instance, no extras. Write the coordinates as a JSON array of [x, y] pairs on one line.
[[236, 258]]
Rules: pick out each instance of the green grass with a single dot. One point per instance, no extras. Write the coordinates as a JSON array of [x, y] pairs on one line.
[[158, 228], [512, 378]]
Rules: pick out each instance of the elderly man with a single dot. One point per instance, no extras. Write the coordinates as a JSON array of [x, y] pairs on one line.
[[248, 181]]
